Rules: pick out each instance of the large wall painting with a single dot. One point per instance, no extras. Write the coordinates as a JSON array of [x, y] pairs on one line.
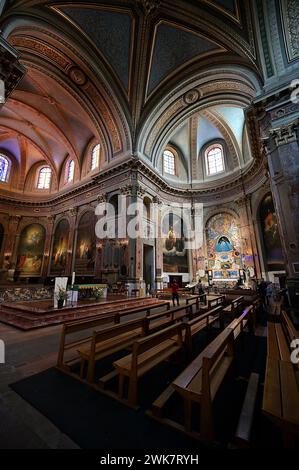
[[60, 247], [86, 245], [31, 251], [223, 246], [274, 259], [175, 259]]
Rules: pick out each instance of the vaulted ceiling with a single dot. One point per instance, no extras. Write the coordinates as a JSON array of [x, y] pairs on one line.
[[100, 70]]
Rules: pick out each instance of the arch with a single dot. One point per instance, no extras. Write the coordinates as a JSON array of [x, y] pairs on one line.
[[30, 253]]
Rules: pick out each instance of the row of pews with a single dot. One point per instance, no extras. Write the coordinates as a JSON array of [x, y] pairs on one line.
[[281, 389], [152, 338]]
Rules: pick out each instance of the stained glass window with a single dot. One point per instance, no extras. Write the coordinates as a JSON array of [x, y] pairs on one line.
[[44, 178], [4, 166]]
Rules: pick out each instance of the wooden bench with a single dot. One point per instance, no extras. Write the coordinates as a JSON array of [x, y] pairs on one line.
[[196, 325], [200, 381], [200, 298], [288, 327], [234, 307], [214, 301], [83, 325], [160, 320], [243, 433], [147, 353], [238, 324], [281, 392], [107, 342]]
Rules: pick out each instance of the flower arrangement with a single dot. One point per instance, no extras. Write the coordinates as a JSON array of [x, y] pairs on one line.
[[61, 296], [98, 293]]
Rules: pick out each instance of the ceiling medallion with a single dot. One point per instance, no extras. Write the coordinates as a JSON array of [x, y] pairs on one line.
[[149, 5], [192, 96], [77, 76]]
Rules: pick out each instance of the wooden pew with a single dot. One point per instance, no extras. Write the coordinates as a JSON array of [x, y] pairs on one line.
[[83, 325], [243, 433], [288, 327], [107, 342], [234, 307], [160, 320], [214, 301], [147, 353], [238, 324], [200, 381], [200, 298], [196, 325], [281, 392], [234, 329]]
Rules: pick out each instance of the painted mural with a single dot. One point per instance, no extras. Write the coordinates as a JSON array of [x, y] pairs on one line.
[[272, 244], [31, 251], [86, 245], [175, 258], [223, 246], [60, 246]]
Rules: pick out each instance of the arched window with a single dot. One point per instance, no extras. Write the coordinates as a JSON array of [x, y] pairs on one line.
[[214, 160], [70, 170], [169, 162], [44, 178], [4, 169], [95, 157]]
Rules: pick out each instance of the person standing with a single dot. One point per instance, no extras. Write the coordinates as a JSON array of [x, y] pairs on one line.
[[175, 292]]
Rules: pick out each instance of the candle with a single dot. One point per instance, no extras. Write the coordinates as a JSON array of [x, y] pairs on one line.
[[73, 278]]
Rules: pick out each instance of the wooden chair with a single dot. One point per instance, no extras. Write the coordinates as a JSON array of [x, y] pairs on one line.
[[147, 353]]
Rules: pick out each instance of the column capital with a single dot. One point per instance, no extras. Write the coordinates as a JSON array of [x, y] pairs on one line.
[[127, 190]]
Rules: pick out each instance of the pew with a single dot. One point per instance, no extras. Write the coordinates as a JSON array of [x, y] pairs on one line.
[[234, 329], [200, 381], [281, 392], [107, 342], [118, 337], [214, 301], [238, 324], [146, 354], [288, 327], [83, 325], [234, 307], [196, 325]]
